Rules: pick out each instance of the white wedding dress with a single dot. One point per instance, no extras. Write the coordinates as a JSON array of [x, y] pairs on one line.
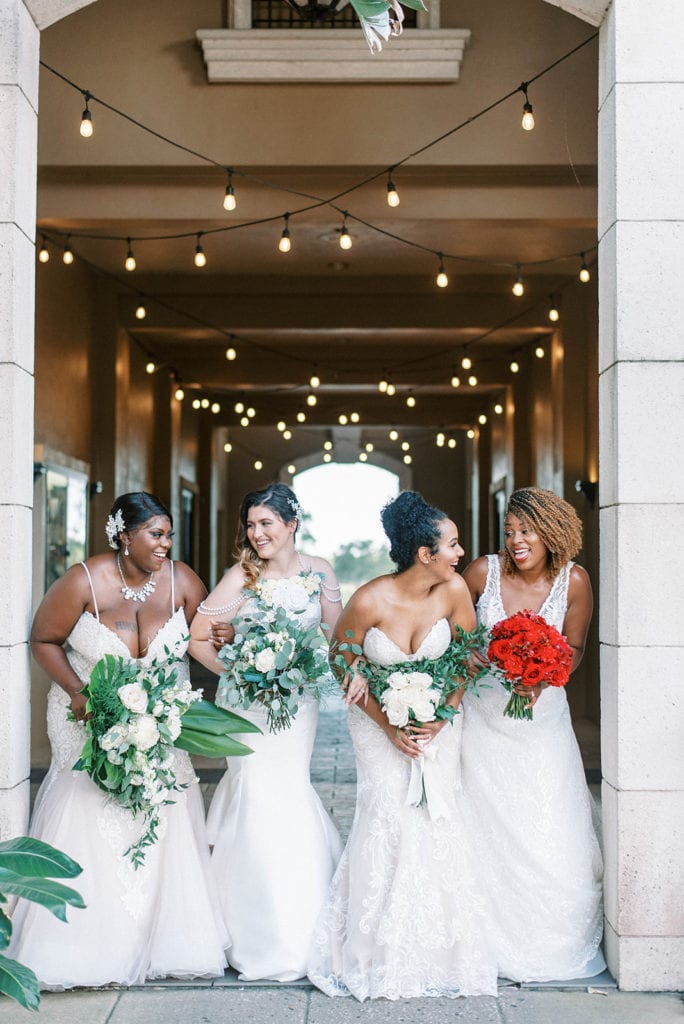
[[532, 823], [404, 916], [152, 922], [275, 847]]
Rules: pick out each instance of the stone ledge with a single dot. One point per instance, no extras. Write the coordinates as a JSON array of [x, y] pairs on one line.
[[330, 55]]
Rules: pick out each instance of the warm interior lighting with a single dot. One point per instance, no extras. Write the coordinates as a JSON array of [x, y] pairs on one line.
[[466, 362], [515, 367], [528, 115], [472, 380], [229, 200], [227, 447], [179, 394], [392, 194], [86, 127], [150, 367], [140, 312], [258, 464], [200, 255], [215, 407], [314, 381], [129, 262], [43, 254], [285, 243], [394, 435], [239, 407], [455, 382], [231, 354], [498, 408]]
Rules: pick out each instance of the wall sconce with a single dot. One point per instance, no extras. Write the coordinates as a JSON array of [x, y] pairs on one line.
[[589, 489]]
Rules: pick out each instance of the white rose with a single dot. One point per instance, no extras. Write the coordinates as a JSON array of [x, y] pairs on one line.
[[290, 595], [158, 709], [143, 732], [265, 660], [398, 680], [134, 697], [420, 679], [114, 737], [136, 780], [420, 704], [173, 723], [395, 707], [114, 757]]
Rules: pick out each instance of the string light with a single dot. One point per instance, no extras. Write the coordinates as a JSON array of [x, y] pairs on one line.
[[196, 403], [391, 390], [150, 367], [285, 244], [200, 255], [363, 457], [392, 194], [554, 313], [354, 417], [227, 447], [584, 274], [518, 288], [441, 280], [311, 399], [498, 408], [129, 262], [470, 434], [244, 421], [382, 386], [345, 238], [251, 412], [215, 408], [229, 200], [472, 380], [466, 363], [231, 354], [455, 381], [451, 443], [67, 255], [258, 465], [314, 381], [528, 116], [205, 403], [515, 367], [239, 407], [292, 469], [179, 394], [394, 435], [327, 457], [287, 435], [301, 417], [342, 419], [440, 439], [539, 352], [86, 128], [140, 312], [281, 425], [482, 419], [407, 460], [411, 401], [405, 446], [43, 254], [369, 446], [327, 445]]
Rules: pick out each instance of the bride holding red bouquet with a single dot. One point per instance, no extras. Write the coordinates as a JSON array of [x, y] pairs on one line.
[[523, 776]]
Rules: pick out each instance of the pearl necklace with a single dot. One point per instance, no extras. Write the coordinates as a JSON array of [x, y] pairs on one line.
[[128, 592]]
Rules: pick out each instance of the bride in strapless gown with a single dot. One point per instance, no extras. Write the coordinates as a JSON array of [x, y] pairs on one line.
[[160, 919], [404, 916]]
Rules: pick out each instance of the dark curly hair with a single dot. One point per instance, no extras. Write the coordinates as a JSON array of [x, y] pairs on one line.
[[136, 508], [553, 519], [282, 500], [410, 523]]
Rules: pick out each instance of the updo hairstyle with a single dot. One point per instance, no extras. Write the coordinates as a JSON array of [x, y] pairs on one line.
[[410, 523], [554, 521], [282, 500], [135, 509]]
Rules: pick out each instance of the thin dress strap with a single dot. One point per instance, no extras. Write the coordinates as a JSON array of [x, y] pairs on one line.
[[173, 590], [92, 590]]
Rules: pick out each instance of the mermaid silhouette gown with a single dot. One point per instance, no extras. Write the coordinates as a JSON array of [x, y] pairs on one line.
[[275, 847], [404, 916], [531, 816], [152, 922]]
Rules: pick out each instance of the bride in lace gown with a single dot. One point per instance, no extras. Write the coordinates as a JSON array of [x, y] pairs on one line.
[[275, 847], [524, 780], [404, 916], [160, 919]]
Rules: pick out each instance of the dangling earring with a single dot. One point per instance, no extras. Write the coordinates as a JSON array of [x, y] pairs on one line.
[[126, 550]]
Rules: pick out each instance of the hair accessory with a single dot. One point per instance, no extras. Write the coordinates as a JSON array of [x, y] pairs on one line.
[[113, 527], [296, 508]]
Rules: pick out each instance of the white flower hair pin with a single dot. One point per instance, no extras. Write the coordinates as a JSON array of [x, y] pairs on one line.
[[296, 508], [113, 527]]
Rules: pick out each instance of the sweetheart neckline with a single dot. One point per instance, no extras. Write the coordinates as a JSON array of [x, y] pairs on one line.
[[420, 645], [113, 633]]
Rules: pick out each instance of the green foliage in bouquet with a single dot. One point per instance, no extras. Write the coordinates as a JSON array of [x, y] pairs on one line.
[[28, 868]]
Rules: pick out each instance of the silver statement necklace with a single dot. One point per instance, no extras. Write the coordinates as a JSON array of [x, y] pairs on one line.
[[128, 592]]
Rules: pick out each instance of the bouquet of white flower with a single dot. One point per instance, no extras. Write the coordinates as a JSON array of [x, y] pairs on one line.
[[273, 659], [135, 716]]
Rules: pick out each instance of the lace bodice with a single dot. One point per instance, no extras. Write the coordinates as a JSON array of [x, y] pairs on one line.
[[379, 649], [490, 608]]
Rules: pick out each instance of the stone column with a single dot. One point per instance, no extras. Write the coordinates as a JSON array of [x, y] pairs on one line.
[[641, 263], [19, 42]]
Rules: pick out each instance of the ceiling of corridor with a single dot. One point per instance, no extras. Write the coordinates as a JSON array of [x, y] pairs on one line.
[[488, 197]]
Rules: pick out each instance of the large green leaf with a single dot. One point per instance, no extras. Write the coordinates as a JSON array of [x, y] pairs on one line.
[[19, 983], [32, 857], [203, 716], [52, 895], [209, 745], [5, 930]]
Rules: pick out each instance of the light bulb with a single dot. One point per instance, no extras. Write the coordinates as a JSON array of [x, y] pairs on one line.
[[482, 419], [129, 262], [231, 354], [281, 425], [408, 460], [227, 447], [287, 435], [342, 419], [292, 469], [150, 367], [394, 435], [140, 312], [455, 382], [451, 443], [472, 380], [327, 457], [411, 402], [43, 254], [466, 363], [405, 446], [382, 386], [363, 457], [244, 421], [441, 280], [345, 238], [392, 194], [328, 446], [215, 407], [539, 352], [584, 274], [200, 255], [196, 403], [229, 200], [471, 434], [391, 390], [498, 408], [86, 128], [67, 255], [518, 288], [239, 407], [369, 447], [354, 417], [440, 440], [528, 117], [258, 464], [205, 403], [554, 314], [251, 412], [301, 417], [179, 394], [311, 399], [285, 244], [515, 367], [314, 381]]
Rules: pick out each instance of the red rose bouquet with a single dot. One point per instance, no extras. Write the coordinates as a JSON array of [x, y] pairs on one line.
[[527, 650]]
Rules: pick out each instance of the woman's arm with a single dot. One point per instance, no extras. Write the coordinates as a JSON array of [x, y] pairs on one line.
[[331, 597], [189, 588], [217, 613], [57, 614], [578, 613]]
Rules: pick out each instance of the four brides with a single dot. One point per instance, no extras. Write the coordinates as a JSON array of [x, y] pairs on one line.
[[498, 875]]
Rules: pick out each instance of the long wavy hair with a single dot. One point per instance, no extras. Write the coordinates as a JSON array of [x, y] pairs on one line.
[[553, 519], [282, 500]]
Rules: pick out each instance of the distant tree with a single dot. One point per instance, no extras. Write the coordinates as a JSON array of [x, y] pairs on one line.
[[359, 561], [305, 534]]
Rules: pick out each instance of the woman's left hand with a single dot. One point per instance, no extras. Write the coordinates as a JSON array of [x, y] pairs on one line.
[[426, 731], [220, 634], [531, 692], [356, 689]]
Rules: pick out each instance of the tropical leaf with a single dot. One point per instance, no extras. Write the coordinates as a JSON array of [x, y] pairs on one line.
[[206, 717], [209, 745], [52, 895], [5, 930], [19, 983], [29, 856]]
